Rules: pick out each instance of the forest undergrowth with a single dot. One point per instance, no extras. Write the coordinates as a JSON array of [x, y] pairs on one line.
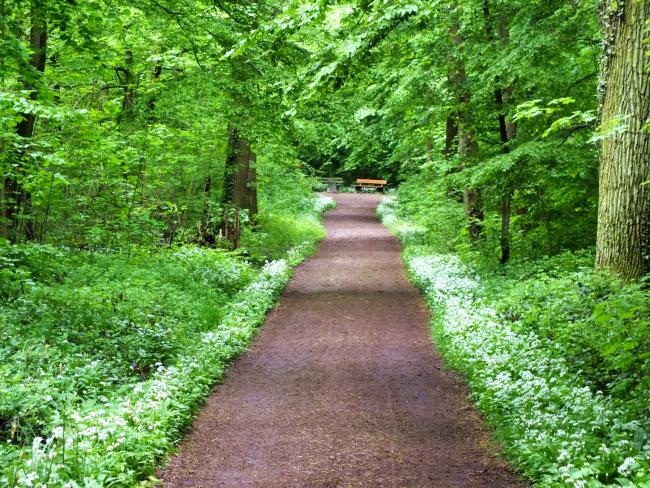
[[142, 142], [557, 356], [108, 354]]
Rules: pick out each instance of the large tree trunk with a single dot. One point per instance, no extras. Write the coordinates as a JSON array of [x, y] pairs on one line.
[[18, 199], [239, 188], [623, 242]]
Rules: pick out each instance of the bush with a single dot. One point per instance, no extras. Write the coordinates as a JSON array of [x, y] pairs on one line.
[[278, 232]]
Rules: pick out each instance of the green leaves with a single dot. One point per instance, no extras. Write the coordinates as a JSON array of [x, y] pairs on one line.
[[323, 72], [576, 120]]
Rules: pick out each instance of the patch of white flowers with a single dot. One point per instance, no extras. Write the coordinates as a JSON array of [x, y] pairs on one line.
[[552, 425], [404, 229], [111, 444], [95, 439], [323, 203]]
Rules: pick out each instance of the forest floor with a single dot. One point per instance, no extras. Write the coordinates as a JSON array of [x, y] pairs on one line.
[[342, 387]]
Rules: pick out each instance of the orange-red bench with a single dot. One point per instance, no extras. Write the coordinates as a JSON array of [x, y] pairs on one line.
[[379, 185]]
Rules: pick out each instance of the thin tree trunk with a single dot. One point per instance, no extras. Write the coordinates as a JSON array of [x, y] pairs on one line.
[[467, 146], [156, 71], [451, 148], [472, 199], [4, 230], [507, 131], [505, 227], [623, 242], [47, 209], [507, 128], [451, 133], [18, 197], [127, 80]]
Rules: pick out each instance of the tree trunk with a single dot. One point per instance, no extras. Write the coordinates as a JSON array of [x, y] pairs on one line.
[[127, 80], [505, 227], [507, 128], [467, 146], [451, 133], [507, 131], [240, 175], [18, 198], [3, 187], [156, 72], [471, 196], [623, 242]]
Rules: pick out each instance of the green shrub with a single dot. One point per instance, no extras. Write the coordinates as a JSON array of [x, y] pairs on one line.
[[602, 326]]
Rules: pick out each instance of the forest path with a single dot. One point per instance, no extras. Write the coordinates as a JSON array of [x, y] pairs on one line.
[[342, 387]]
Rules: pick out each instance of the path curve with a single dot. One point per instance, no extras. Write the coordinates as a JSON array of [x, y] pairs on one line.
[[342, 387]]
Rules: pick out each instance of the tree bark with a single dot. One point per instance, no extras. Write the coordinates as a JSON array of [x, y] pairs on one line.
[[156, 72], [623, 242], [506, 202], [451, 133], [451, 145], [507, 131], [18, 198], [472, 199], [467, 147], [127, 79], [240, 174]]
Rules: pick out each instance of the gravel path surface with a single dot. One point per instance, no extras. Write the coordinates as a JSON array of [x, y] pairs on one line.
[[342, 387]]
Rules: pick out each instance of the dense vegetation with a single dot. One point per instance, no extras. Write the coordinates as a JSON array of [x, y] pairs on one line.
[[556, 354], [106, 354], [156, 163]]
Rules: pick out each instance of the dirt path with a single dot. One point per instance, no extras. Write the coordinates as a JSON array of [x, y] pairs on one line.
[[342, 387]]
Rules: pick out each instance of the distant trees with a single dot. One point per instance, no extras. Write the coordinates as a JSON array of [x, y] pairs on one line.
[[494, 100], [125, 137], [623, 244]]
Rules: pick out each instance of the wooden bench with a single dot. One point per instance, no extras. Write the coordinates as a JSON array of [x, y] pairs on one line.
[[328, 179], [379, 185], [331, 182]]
